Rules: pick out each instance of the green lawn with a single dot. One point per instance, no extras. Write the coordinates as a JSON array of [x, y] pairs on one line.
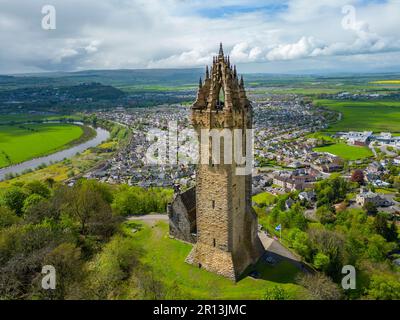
[[320, 136], [374, 116], [346, 152], [167, 259], [19, 143], [264, 198]]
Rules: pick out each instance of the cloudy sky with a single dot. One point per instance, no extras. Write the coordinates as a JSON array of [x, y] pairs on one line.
[[293, 36]]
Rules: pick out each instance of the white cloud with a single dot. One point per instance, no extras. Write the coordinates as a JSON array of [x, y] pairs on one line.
[[172, 33], [302, 48]]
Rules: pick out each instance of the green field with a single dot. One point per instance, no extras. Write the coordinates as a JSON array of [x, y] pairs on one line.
[[19, 143], [12, 119], [346, 152], [166, 257], [374, 116], [264, 198]]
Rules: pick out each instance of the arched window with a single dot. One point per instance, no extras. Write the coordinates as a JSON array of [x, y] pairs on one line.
[[221, 98]]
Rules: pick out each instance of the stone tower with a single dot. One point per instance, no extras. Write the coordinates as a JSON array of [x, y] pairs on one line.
[[227, 239]]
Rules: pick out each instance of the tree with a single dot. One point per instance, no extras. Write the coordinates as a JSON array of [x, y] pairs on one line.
[[331, 190], [7, 218], [330, 244], [300, 242], [66, 260], [382, 228], [86, 204], [370, 208], [37, 187], [50, 182], [378, 247], [319, 286], [384, 287], [358, 176], [14, 198], [396, 183], [31, 200], [321, 261], [325, 214]]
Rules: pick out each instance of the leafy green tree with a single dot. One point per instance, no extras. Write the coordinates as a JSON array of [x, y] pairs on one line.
[[331, 190], [325, 214], [384, 287], [321, 261], [38, 188], [300, 242], [378, 248], [330, 244], [370, 208], [7, 218], [137, 201], [14, 198], [87, 206], [382, 228], [31, 200]]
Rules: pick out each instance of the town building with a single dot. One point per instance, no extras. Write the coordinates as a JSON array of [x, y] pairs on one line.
[[370, 197]]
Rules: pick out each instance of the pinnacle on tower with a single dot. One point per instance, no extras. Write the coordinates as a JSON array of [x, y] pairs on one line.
[[200, 83], [234, 71], [207, 73], [241, 81], [221, 50]]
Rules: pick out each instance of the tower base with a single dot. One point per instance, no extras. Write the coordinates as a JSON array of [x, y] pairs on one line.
[[225, 263]]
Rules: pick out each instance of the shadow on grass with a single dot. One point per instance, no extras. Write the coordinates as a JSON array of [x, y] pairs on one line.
[[283, 270]]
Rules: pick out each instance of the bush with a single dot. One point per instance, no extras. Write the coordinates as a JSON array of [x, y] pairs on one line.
[[384, 288], [14, 198], [320, 287], [276, 293]]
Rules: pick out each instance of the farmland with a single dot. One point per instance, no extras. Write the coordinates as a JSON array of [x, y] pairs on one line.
[[19, 143], [374, 116]]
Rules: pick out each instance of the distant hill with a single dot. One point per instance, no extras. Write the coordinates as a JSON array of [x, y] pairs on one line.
[[116, 78]]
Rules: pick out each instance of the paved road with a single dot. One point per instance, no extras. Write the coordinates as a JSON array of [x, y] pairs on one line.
[[150, 217]]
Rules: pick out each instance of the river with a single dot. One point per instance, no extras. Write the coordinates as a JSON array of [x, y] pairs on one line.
[[101, 136]]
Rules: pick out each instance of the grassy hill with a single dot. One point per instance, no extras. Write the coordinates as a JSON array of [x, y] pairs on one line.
[[166, 257]]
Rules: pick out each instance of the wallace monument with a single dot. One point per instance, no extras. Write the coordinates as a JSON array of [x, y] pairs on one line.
[[217, 215]]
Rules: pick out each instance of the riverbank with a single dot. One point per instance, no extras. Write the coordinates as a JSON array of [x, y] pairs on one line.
[[78, 163], [23, 142], [101, 136]]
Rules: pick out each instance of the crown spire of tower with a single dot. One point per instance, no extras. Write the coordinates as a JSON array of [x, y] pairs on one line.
[[221, 50]]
